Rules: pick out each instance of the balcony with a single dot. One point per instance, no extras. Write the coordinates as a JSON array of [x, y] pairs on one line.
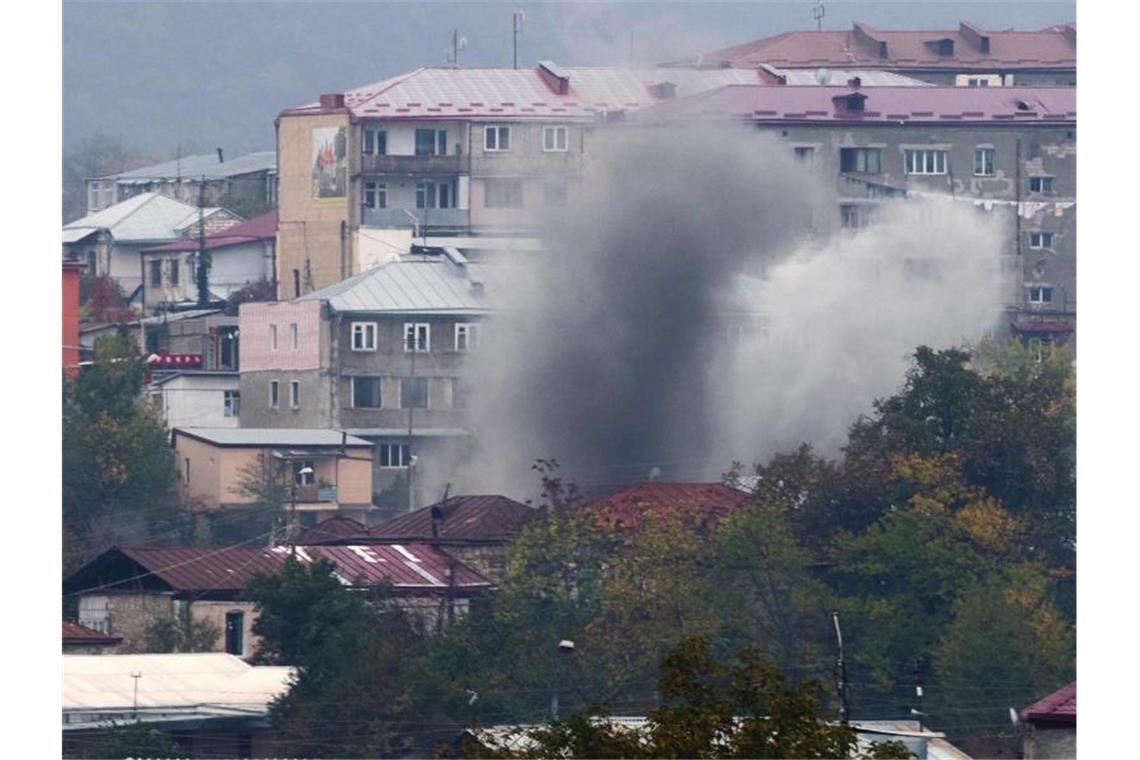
[[311, 494], [430, 218], [410, 165]]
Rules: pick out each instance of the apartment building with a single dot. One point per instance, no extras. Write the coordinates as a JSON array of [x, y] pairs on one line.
[[968, 56], [1006, 151], [379, 355]]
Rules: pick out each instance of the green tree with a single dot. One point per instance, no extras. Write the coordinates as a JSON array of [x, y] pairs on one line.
[[96, 156], [181, 632], [131, 740]]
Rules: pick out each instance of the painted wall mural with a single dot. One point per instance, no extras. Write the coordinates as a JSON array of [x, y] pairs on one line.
[[330, 167]]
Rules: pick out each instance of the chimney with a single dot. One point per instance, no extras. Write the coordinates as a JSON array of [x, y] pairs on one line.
[[867, 36], [555, 77], [663, 90], [973, 34], [436, 520], [220, 159], [854, 83], [332, 101]]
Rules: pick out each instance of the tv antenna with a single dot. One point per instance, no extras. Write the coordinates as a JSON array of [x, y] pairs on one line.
[[517, 19], [457, 43], [818, 12]]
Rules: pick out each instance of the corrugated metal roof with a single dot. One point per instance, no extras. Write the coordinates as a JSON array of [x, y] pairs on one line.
[[625, 509], [1060, 706], [418, 432], [194, 167], [74, 633], [407, 285], [478, 518], [332, 529], [938, 105], [867, 77], [259, 228], [145, 217], [103, 683], [272, 436]]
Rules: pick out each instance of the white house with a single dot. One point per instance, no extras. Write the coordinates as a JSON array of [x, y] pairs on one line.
[[198, 398]]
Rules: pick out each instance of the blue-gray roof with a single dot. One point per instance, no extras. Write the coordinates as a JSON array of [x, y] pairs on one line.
[[194, 167], [146, 217], [410, 285], [272, 436]]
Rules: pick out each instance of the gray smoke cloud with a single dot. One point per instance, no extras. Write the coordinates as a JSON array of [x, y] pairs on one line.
[[695, 307]]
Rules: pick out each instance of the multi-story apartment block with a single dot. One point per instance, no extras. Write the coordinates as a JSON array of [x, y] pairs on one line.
[[380, 355], [968, 56], [468, 152], [1009, 151], [246, 184]]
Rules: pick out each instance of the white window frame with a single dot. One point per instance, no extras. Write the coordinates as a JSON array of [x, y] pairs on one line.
[[273, 337], [403, 455], [980, 153], [554, 144], [925, 161], [231, 403], [1039, 291], [375, 195], [294, 394], [499, 131], [1044, 186], [469, 331], [416, 327], [274, 394], [1041, 240], [366, 331], [379, 396]]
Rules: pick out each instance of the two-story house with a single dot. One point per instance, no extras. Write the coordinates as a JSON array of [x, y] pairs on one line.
[[1010, 152], [380, 355]]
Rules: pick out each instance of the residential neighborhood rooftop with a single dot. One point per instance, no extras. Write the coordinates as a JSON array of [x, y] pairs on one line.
[[272, 437], [192, 168], [411, 284], [626, 509], [76, 634], [1058, 707], [260, 228], [473, 518], [143, 218]]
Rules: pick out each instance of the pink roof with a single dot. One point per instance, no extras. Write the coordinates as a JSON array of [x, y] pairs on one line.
[[259, 228], [475, 518], [625, 509], [74, 633], [939, 105], [1058, 707], [515, 94], [1052, 47]]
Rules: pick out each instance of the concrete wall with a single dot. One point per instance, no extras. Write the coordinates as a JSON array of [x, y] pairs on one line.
[[1049, 743], [309, 228], [204, 484], [196, 400], [214, 612], [315, 410]]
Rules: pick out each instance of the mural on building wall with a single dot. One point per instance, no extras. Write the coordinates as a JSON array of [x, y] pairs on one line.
[[330, 169]]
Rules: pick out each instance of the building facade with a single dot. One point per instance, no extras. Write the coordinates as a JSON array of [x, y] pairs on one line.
[[197, 398]]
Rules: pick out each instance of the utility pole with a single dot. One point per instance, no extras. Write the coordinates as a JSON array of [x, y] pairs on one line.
[[411, 406], [841, 673], [517, 19], [135, 709], [818, 12], [203, 274]]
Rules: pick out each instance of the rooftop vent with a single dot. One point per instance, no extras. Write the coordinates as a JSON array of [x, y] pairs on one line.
[[555, 77], [663, 90], [973, 34], [332, 101], [852, 102], [855, 83], [221, 160], [870, 37], [477, 287]]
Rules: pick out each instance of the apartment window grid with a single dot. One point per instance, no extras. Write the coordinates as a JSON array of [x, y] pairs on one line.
[[363, 336], [925, 161], [394, 454], [231, 403], [375, 142], [554, 139], [1041, 294], [431, 142], [1042, 185], [466, 336], [417, 337], [295, 394], [496, 139], [375, 195], [274, 394], [855, 216], [366, 393], [1041, 240], [414, 393], [984, 162]]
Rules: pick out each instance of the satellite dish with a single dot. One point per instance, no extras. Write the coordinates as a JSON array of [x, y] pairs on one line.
[[823, 76], [1013, 716]]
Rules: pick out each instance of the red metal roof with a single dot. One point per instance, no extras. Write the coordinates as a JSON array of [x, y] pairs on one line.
[[860, 46], [409, 567], [333, 529], [260, 228], [1058, 707], [999, 106], [74, 633], [490, 518], [625, 509]]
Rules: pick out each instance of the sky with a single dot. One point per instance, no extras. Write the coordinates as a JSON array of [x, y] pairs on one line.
[[158, 75]]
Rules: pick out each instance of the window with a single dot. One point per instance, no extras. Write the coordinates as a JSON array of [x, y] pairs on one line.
[[293, 335], [295, 394], [417, 337], [425, 195], [466, 336], [92, 196], [554, 193], [978, 82], [174, 271], [431, 142], [366, 392], [413, 393], [231, 403], [186, 469], [108, 194], [446, 195], [1040, 294], [945, 47], [1040, 184], [273, 337], [984, 162], [554, 139], [502, 193], [862, 160], [235, 633], [394, 455], [496, 139], [363, 336], [375, 142], [274, 397], [925, 161], [460, 394], [805, 155], [156, 273], [854, 216], [1040, 240], [375, 195]]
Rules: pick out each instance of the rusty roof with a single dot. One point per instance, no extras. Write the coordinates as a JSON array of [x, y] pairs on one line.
[[484, 518], [74, 633], [409, 568], [865, 46], [625, 510], [1058, 707], [334, 529]]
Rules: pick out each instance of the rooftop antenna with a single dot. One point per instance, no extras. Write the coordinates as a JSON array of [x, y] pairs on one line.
[[136, 676], [818, 12], [517, 19], [457, 43]]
